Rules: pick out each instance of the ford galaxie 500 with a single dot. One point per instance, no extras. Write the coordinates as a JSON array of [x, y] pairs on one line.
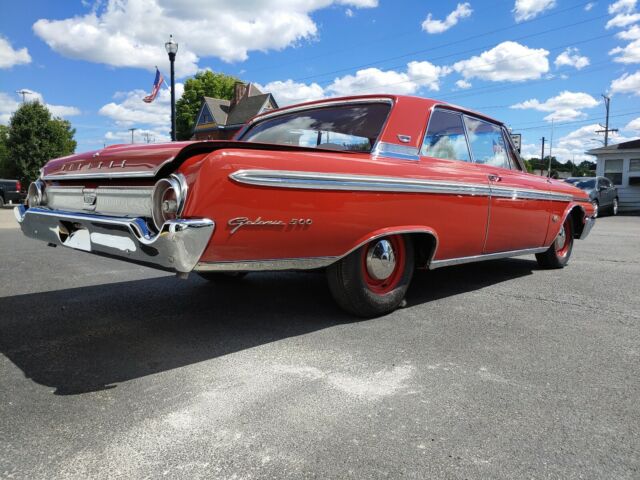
[[368, 188]]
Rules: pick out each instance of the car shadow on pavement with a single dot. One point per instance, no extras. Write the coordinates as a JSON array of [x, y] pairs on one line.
[[91, 338]]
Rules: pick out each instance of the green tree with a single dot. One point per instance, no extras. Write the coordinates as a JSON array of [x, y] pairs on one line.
[[35, 138], [206, 83], [6, 170]]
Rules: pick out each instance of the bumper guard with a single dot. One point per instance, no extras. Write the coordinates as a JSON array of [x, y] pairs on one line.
[[177, 247]]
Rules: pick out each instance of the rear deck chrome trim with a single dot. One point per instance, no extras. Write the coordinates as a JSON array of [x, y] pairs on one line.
[[375, 183]]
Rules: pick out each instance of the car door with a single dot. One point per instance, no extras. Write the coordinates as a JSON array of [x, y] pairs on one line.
[[518, 215], [609, 191], [460, 213]]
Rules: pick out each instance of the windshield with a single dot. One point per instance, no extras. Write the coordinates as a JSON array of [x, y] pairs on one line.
[[352, 127]]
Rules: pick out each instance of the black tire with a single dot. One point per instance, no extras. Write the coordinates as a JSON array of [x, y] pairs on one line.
[[222, 277], [557, 256], [614, 207], [357, 292], [1, 201]]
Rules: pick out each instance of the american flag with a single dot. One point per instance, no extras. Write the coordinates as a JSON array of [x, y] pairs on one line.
[[157, 83]]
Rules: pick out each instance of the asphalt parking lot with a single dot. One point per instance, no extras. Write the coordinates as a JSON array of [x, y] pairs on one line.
[[494, 370]]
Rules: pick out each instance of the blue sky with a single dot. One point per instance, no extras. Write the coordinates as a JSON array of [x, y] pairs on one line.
[[526, 62]]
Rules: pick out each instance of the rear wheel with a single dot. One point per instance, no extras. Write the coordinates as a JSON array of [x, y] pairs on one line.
[[374, 279], [596, 205], [1, 201], [614, 207], [557, 256]]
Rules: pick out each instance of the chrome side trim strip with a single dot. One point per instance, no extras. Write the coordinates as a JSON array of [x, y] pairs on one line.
[[335, 181], [489, 256], [589, 222], [310, 263], [527, 194], [340, 181], [393, 150], [306, 263]]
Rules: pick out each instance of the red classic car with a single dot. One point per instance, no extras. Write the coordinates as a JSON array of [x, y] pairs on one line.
[[368, 188]]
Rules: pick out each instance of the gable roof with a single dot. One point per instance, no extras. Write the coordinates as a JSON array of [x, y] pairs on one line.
[[247, 108], [630, 145], [219, 109]]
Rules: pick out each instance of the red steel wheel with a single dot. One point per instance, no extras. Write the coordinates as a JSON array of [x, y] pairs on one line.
[[383, 263], [373, 280], [557, 256]]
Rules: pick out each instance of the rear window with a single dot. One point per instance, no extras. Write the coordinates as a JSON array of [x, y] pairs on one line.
[[342, 127]]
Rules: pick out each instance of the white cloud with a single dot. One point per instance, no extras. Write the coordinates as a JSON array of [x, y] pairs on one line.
[[131, 33], [348, 12], [564, 106], [622, 20], [142, 135], [463, 10], [508, 61], [628, 54], [633, 125], [571, 57], [10, 103], [528, 9], [463, 84], [627, 83], [622, 6], [374, 80], [370, 80], [589, 6], [133, 111], [10, 57], [632, 34], [290, 92]]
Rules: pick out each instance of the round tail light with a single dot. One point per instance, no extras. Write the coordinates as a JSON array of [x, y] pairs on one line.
[[168, 199], [35, 194]]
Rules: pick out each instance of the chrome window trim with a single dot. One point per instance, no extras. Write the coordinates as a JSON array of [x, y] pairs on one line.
[[443, 108], [328, 103], [374, 183], [507, 136], [396, 151]]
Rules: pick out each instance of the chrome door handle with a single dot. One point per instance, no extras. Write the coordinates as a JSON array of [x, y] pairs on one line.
[[494, 178]]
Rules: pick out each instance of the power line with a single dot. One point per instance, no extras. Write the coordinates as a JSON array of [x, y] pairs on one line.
[[463, 52], [436, 47], [574, 122]]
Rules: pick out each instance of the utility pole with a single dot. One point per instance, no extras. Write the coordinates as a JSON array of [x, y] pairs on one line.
[[132, 130], [550, 150], [542, 157], [606, 129], [24, 94]]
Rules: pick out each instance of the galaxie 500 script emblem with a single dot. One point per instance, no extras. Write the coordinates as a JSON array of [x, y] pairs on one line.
[[238, 222]]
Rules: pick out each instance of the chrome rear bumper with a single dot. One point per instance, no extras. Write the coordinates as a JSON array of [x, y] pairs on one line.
[[177, 247]]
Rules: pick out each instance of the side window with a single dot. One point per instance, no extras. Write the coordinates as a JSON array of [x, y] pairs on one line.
[[486, 143], [445, 137]]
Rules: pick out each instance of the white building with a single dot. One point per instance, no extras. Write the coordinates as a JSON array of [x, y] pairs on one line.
[[621, 164]]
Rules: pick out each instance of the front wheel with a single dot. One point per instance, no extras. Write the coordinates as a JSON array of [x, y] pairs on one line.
[[614, 207], [557, 256], [595, 205], [373, 280]]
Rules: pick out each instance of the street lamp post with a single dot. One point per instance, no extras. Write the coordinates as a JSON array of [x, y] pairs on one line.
[[172, 49]]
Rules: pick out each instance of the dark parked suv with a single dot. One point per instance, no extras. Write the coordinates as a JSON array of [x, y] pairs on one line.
[[603, 194], [11, 192]]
